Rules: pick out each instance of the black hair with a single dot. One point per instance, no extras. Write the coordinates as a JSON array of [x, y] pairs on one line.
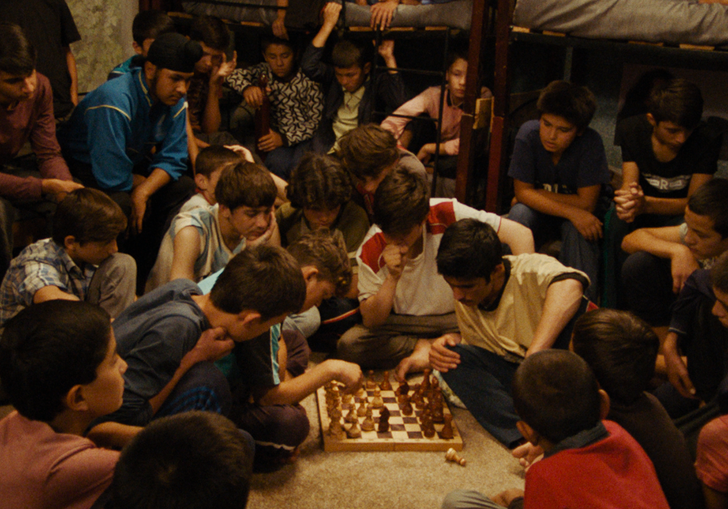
[[620, 348], [575, 103], [719, 273], [245, 184], [469, 249], [347, 53], [679, 102], [150, 25], [638, 96], [556, 393], [711, 199], [367, 151], [195, 460], [268, 40], [213, 158], [210, 30], [17, 54], [318, 181], [263, 279], [89, 215], [47, 349], [401, 202]]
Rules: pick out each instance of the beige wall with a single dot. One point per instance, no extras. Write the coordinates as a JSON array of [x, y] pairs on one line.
[[105, 28]]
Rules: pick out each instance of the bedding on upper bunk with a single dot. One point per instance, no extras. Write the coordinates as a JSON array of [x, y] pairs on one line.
[[667, 21], [454, 13]]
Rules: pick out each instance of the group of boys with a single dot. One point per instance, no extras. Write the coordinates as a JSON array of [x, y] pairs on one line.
[[433, 284]]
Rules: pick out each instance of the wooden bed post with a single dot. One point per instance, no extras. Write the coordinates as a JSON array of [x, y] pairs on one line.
[[468, 148], [499, 126]]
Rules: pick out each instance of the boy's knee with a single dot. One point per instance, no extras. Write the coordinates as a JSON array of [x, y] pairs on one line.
[[349, 347], [523, 214]]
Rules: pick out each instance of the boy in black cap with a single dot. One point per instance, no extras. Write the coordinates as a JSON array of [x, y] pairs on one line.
[[109, 141]]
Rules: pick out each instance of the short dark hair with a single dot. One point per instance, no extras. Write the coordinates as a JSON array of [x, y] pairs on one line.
[[719, 273], [214, 158], [210, 30], [711, 199], [620, 348], [245, 184], [196, 459], [347, 53], [469, 249], [263, 279], [150, 25], [326, 251], [556, 393], [367, 150], [318, 181], [401, 202], [17, 54], [47, 349], [89, 215], [268, 40], [575, 103], [680, 102], [457, 53]]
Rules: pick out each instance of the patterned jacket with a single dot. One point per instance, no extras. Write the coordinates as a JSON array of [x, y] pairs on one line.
[[296, 105]]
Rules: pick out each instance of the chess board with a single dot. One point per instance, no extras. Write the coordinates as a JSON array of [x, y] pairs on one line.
[[405, 433]]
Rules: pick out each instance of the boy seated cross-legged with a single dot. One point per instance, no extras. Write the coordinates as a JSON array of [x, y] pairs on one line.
[[80, 261], [559, 170], [405, 303], [508, 308], [201, 242], [588, 462], [59, 365]]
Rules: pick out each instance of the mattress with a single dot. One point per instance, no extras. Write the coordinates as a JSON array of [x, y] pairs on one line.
[[666, 21]]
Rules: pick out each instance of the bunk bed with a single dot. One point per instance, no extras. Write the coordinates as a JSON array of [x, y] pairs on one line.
[[302, 13], [674, 32]]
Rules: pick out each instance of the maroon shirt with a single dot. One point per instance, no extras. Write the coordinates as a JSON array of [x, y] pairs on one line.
[[31, 120]]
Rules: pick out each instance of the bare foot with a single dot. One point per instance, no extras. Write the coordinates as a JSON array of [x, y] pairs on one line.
[[418, 360], [527, 454]]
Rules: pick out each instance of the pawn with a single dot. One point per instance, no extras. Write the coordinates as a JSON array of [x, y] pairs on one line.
[[362, 410], [335, 429], [426, 379], [407, 409], [371, 384], [347, 399], [368, 422], [351, 416], [418, 401], [383, 420], [404, 387], [452, 455], [447, 432], [353, 431], [385, 385], [360, 392], [377, 401]]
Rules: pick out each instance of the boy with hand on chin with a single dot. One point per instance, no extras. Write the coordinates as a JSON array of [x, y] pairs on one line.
[[59, 365], [559, 169], [405, 303]]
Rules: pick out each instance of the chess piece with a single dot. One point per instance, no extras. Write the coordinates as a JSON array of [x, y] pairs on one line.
[[351, 416], [407, 409], [418, 400], [436, 412], [335, 429], [383, 420], [404, 387], [377, 401], [385, 385], [371, 384], [368, 422], [347, 399], [353, 431], [447, 432], [452, 455], [428, 429], [426, 380], [362, 410]]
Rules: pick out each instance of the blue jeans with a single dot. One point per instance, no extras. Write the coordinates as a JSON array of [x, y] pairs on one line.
[[576, 251], [282, 160]]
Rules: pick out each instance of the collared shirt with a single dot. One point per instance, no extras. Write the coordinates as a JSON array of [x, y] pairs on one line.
[[347, 117], [41, 264]]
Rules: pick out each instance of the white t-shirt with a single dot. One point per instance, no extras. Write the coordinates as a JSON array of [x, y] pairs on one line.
[[421, 290]]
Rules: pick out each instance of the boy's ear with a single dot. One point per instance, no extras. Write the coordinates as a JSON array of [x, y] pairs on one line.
[[201, 181], [651, 120], [250, 318], [604, 404], [75, 400], [69, 242], [309, 273], [367, 67], [137, 49], [528, 432]]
